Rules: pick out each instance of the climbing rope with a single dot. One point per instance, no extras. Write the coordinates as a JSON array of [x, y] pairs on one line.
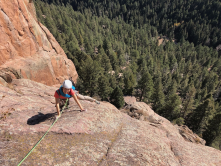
[[42, 136]]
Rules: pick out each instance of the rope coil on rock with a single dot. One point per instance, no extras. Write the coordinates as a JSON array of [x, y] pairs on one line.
[[42, 136]]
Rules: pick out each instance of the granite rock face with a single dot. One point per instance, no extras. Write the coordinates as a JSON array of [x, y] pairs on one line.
[[27, 49], [101, 136]]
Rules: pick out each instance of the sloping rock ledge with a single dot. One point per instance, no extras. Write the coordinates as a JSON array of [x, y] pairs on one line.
[[101, 136]]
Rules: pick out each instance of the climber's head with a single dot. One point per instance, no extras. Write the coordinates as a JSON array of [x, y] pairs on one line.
[[67, 85]]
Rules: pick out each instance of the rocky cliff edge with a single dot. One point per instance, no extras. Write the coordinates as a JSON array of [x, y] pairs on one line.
[[101, 136], [27, 49]]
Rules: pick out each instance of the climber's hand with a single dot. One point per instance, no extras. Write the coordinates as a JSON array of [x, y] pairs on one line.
[[84, 110], [58, 116]]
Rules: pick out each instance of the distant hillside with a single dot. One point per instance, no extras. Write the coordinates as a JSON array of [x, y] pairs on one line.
[[194, 20]]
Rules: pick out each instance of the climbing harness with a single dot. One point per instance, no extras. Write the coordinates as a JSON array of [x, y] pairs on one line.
[[43, 135]]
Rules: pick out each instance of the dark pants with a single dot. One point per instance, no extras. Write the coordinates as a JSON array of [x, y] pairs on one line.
[[62, 103]]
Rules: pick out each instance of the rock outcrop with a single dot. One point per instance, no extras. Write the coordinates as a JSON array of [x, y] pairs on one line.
[[129, 100], [141, 111], [188, 135], [28, 49], [101, 136]]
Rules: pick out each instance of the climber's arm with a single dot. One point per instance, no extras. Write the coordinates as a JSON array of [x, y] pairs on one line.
[[57, 106], [77, 101]]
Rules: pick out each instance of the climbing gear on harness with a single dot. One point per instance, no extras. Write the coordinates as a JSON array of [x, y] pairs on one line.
[[42, 136], [62, 103]]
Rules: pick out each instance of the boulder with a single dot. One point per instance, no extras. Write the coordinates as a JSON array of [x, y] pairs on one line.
[[188, 135], [129, 100], [143, 112]]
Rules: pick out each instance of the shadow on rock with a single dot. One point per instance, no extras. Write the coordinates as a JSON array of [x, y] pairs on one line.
[[40, 118]]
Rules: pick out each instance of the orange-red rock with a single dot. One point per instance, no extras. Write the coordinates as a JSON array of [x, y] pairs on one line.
[[28, 47]]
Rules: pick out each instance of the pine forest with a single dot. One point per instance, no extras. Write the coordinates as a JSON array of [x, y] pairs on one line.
[[166, 53]]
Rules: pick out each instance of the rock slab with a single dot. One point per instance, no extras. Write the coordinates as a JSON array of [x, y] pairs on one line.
[[101, 136]]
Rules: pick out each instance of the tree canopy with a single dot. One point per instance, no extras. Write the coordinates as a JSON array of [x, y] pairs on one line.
[[118, 49]]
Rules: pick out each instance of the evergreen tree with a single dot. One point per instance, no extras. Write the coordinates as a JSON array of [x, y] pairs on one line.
[[117, 98], [129, 82], [106, 45], [113, 81], [172, 107], [104, 88], [91, 71], [188, 103], [202, 115], [145, 86], [105, 63], [81, 40], [158, 96], [213, 132], [60, 40]]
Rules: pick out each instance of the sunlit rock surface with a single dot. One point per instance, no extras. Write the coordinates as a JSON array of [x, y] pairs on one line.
[[101, 136], [27, 49]]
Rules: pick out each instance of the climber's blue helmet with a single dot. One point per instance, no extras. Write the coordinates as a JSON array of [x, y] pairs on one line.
[[67, 84]]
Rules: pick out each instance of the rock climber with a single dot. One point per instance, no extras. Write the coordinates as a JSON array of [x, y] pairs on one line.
[[63, 93]]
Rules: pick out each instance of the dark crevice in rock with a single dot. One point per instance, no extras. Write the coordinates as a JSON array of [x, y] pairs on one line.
[[8, 23], [48, 94], [2, 98], [155, 125], [3, 12], [108, 151], [27, 22], [105, 157], [7, 78], [48, 38], [8, 93], [171, 148], [4, 77], [4, 73]]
